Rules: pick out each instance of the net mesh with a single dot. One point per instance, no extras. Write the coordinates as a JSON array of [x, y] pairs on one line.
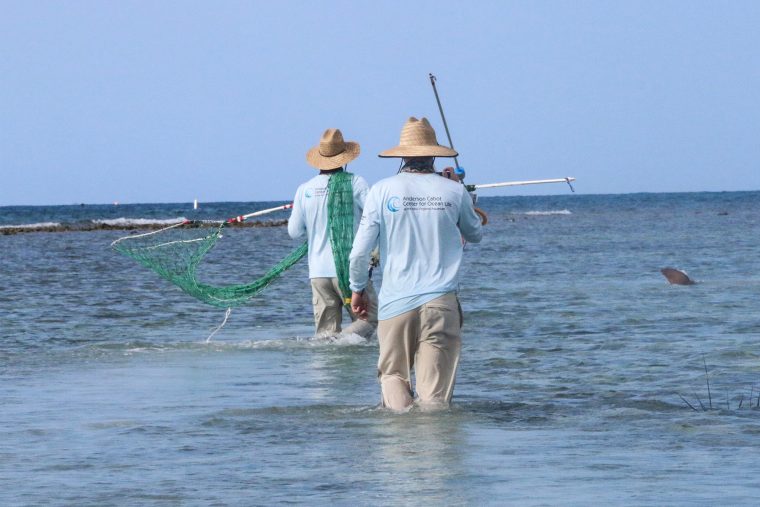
[[175, 252], [340, 214]]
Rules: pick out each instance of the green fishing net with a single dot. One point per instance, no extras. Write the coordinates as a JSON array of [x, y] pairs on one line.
[[176, 251], [340, 214]]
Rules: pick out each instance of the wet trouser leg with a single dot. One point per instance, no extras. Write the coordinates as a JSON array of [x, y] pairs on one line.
[[328, 307], [427, 339]]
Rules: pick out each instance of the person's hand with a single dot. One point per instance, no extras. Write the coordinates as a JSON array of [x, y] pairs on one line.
[[483, 216], [359, 304]]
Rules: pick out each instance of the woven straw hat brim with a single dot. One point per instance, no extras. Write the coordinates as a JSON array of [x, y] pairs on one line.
[[419, 151], [319, 161]]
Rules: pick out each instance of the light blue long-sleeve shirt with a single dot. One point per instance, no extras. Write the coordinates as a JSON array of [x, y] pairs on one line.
[[309, 218], [418, 221]]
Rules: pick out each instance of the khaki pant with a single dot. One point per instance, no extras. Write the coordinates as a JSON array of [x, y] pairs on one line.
[[427, 339], [328, 309]]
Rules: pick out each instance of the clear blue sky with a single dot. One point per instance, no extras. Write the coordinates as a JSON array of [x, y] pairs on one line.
[[169, 101]]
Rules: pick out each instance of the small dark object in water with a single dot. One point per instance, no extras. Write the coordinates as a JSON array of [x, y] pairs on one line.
[[676, 276]]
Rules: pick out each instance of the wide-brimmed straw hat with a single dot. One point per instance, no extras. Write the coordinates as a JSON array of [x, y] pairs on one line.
[[332, 151], [418, 140]]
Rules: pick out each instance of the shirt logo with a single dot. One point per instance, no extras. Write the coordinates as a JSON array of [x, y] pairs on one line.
[[393, 204], [315, 192]]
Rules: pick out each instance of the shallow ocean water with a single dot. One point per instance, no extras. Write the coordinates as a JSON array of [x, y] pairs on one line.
[[576, 353]]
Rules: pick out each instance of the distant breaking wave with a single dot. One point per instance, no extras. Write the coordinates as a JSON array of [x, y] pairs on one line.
[[130, 222], [126, 224], [41, 225]]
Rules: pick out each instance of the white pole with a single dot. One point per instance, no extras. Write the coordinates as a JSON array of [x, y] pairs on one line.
[[518, 183], [261, 212], [195, 204]]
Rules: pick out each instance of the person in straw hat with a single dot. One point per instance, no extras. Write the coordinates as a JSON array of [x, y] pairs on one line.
[[418, 219], [309, 218]]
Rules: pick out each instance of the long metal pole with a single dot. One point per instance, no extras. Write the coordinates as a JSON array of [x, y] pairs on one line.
[[492, 185], [443, 117], [530, 182], [241, 218]]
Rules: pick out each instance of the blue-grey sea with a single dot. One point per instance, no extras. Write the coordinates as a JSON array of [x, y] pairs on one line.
[[579, 366]]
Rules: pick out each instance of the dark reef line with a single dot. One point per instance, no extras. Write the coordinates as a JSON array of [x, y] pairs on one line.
[[7, 231]]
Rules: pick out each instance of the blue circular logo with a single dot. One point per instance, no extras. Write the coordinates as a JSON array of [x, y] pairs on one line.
[[393, 204], [307, 193]]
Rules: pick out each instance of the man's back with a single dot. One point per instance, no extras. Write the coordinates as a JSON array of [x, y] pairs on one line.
[[419, 221], [309, 217]]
